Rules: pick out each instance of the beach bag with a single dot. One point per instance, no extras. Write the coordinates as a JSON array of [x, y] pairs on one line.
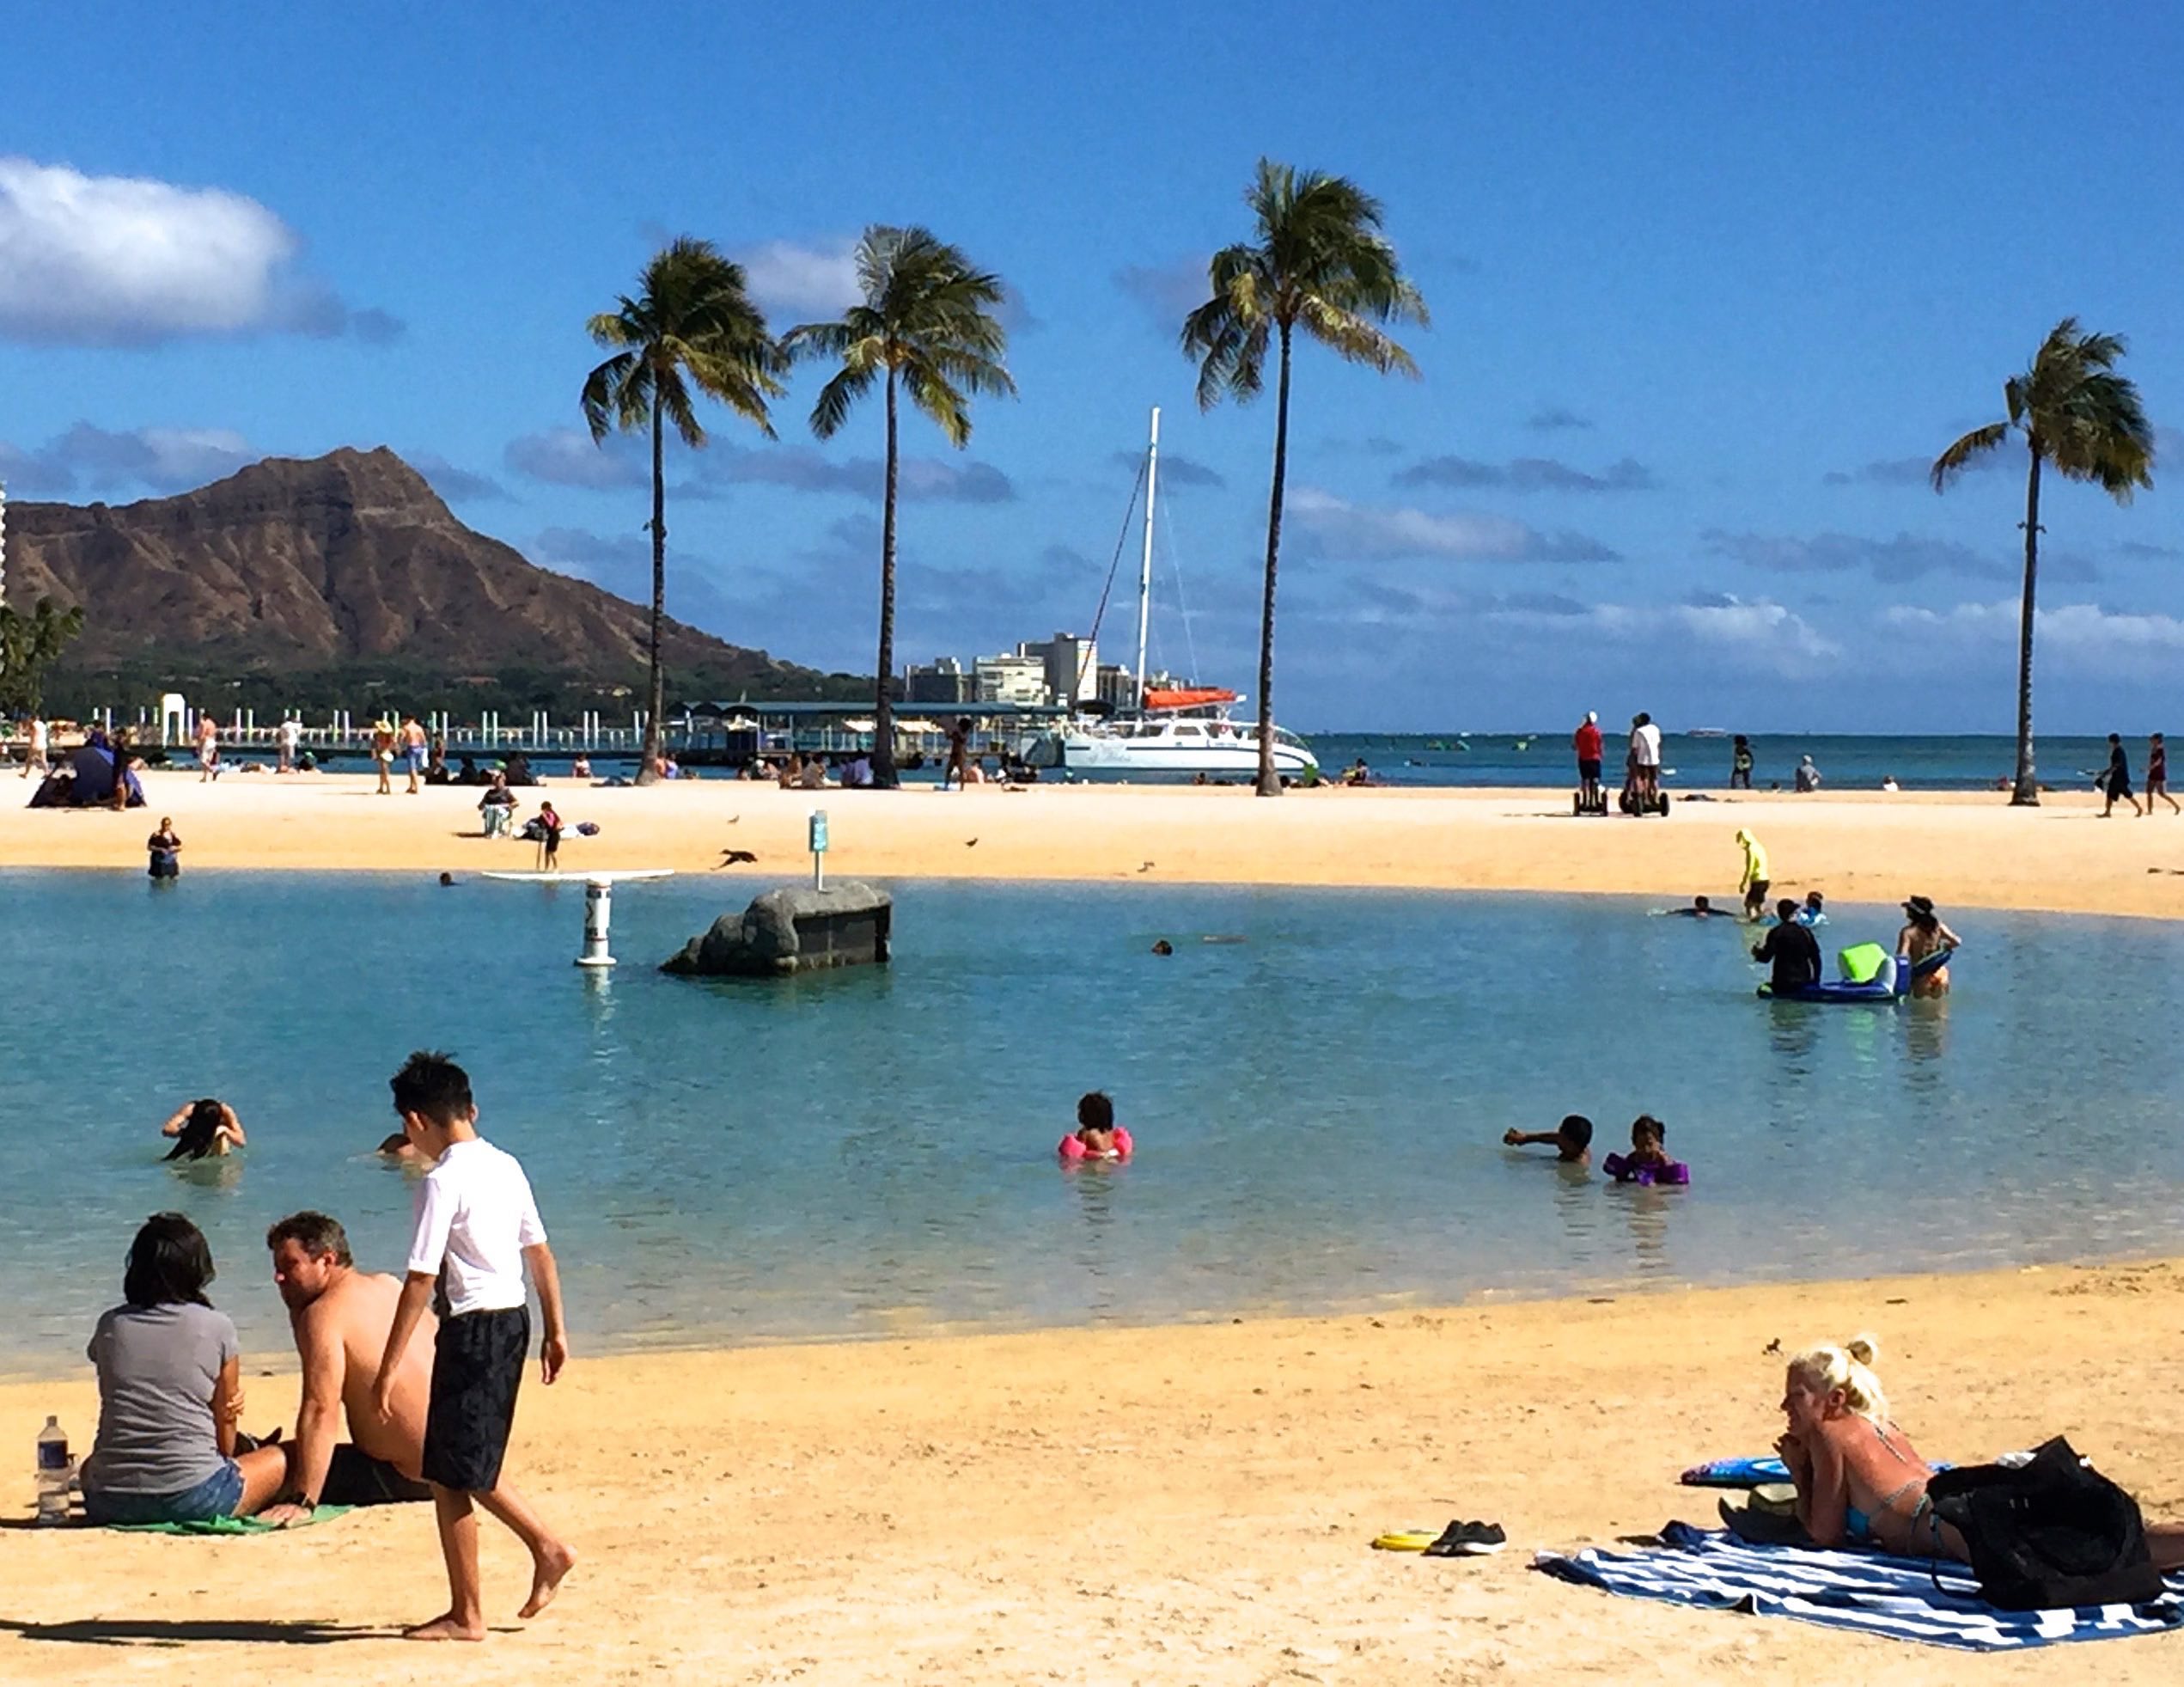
[[2052, 1533]]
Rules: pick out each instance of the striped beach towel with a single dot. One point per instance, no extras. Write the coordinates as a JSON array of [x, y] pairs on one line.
[[1868, 1592]]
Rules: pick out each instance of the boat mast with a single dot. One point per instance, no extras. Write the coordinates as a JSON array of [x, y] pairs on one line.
[[1146, 570]]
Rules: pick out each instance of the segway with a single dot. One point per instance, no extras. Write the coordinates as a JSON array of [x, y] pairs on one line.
[[1579, 805], [1633, 802]]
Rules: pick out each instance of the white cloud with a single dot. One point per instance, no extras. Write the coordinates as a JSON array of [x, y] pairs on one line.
[[565, 457], [2085, 636], [1362, 532], [110, 261], [163, 459], [1755, 635], [800, 282]]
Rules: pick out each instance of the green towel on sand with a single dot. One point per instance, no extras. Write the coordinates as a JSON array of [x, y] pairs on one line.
[[231, 1525]]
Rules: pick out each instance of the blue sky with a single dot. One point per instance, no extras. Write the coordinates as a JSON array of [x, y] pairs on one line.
[[1709, 282]]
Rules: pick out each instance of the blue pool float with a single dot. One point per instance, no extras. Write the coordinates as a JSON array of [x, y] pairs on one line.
[[1870, 975]]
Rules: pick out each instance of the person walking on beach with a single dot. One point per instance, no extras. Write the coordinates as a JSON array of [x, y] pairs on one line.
[[477, 1228], [413, 749], [35, 758], [1586, 741], [287, 737], [549, 839], [2157, 774], [383, 754], [1755, 881], [959, 753], [2116, 782], [208, 750], [1740, 763]]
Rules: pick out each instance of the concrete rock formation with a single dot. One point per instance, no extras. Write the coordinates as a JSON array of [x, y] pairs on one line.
[[791, 931]]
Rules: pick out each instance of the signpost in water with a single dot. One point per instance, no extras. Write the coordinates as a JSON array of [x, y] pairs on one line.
[[599, 903]]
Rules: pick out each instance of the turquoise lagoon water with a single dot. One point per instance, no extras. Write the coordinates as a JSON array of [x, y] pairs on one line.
[[1318, 1107]]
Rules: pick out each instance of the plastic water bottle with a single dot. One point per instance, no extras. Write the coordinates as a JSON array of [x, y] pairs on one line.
[[56, 1471]]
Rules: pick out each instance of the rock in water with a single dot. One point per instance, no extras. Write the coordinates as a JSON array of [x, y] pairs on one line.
[[793, 930]]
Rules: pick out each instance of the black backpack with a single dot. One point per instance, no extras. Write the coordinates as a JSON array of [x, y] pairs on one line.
[[2048, 1534]]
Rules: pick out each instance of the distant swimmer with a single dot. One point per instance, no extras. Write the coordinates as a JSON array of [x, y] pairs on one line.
[[1923, 937], [1814, 912], [1756, 880], [1163, 946], [1097, 1137], [1571, 1139], [205, 1129], [1701, 908]]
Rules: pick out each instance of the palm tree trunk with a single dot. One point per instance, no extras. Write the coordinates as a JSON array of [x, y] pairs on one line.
[[1270, 782], [2027, 791], [648, 768], [883, 711]]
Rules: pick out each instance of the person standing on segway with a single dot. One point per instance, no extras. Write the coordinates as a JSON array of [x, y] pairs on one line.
[[1586, 741], [1645, 764]]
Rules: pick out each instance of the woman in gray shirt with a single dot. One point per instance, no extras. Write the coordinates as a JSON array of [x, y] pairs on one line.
[[170, 1394]]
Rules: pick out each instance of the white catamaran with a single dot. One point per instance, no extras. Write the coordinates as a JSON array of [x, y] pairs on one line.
[[1175, 731]]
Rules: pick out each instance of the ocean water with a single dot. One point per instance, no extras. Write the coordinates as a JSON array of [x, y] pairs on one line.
[[1318, 1106], [1847, 762]]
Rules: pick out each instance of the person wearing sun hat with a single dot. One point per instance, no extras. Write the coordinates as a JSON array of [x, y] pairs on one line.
[[1923, 939]]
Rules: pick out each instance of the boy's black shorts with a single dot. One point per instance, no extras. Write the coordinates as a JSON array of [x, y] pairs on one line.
[[477, 1368]]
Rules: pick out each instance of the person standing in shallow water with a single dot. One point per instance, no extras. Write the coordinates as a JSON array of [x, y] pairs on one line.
[[165, 850]]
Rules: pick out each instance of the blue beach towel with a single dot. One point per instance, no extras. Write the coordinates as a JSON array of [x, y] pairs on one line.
[[1867, 1592], [1736, 1473]]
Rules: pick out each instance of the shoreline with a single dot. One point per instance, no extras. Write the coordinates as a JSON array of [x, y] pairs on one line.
[[1965, 850], [1166, 1503]]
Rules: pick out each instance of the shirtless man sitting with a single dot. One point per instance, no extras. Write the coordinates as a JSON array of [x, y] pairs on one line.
[[341, 1316]]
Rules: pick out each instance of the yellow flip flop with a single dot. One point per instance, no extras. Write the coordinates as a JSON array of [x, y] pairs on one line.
[[1406, 1540]]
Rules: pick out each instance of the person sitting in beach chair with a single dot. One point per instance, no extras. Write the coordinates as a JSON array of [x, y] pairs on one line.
[[496, 806]]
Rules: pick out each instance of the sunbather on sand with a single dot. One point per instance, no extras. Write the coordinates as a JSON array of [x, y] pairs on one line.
[[1860, 1482]]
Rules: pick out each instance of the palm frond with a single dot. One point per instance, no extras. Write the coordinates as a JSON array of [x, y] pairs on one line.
[[1976, 443], [836, 399]]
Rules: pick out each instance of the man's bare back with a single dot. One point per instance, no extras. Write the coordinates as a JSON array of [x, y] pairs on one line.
[[347, 1325]]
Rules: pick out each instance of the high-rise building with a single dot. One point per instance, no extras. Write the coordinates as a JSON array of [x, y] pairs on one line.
[[1072, 665], [943, 682], [1016, 678]]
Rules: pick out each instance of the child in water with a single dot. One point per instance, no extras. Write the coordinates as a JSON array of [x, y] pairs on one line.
[[1571, 1139], [1648, 1162], [1097, 1137]]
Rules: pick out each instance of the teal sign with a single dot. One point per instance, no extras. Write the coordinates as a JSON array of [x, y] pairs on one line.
[[818, 831]]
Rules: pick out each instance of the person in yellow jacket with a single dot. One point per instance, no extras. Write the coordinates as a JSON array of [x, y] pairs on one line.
[[1755, 881]]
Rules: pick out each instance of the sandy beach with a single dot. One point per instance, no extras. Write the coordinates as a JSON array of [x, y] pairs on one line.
[[1160, 1505], [1970, 851]]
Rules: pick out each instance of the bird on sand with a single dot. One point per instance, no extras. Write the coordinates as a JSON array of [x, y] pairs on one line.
[[730, 858]]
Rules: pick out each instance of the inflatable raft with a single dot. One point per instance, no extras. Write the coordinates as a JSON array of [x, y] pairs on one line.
[[1869, 973]]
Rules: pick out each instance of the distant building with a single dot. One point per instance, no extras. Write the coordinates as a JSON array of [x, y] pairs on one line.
[[1072, 665], [1117, 687], [1010, 679], [944, 682]]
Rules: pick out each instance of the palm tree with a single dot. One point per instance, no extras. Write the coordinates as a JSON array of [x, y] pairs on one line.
[[29, 645], [691, 325], [924, 325], [2080, 416], [1320, 263]]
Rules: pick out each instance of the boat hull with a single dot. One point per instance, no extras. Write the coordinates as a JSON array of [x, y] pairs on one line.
[[1102, 757]]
